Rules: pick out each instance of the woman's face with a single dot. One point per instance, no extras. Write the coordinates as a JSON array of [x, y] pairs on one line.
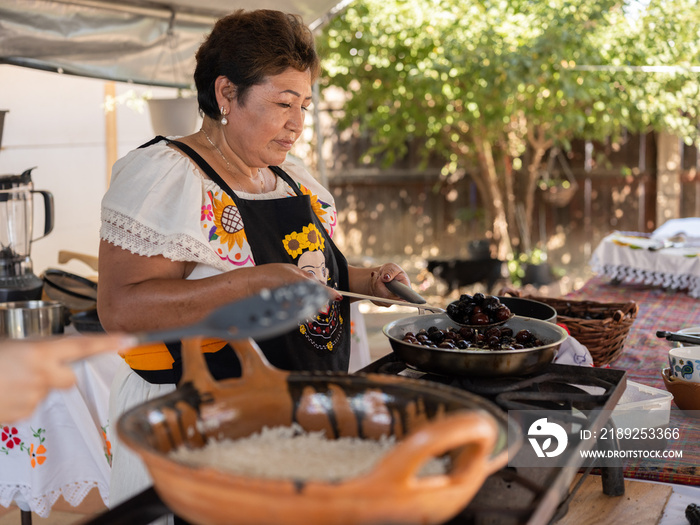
[[263, 130]]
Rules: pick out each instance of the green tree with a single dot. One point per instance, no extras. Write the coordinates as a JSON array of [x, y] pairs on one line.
[[493, 85]]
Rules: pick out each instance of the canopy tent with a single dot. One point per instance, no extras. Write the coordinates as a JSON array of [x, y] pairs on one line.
[[138, 41]]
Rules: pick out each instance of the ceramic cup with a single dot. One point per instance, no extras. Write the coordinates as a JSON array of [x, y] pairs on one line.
[[685, 363]]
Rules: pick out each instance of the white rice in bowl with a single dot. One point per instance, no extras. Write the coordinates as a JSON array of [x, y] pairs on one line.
[[294, 454]]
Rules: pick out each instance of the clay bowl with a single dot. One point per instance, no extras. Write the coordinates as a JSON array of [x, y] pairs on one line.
[[475, 363], [686, 394], [428, 420]]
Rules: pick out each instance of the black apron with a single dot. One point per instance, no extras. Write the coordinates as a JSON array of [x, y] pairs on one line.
[[285, 230]]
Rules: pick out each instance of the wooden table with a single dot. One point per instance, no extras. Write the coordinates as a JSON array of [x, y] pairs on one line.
[[641, 504]]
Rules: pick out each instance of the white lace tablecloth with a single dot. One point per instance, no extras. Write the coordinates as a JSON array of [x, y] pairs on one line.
[[648, 259], [63, 449]]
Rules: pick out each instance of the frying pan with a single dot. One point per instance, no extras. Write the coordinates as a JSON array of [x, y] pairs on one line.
[[486, 363]]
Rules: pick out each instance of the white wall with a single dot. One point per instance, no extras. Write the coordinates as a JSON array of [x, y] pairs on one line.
[[57, 123]]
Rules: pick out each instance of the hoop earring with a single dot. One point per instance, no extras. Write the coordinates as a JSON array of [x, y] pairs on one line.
[[224, 120]]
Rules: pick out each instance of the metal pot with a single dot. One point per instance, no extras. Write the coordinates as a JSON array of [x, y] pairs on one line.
[[21, 319], [484, 363]]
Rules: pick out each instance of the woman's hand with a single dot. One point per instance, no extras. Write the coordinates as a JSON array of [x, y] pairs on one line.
[[370, 281], [30, 369], [384, 274]]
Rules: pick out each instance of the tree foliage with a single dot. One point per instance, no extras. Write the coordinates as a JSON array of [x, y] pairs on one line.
[[493, 85]]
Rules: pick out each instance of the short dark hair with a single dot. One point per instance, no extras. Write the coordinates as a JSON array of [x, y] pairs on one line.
[[248, 46]]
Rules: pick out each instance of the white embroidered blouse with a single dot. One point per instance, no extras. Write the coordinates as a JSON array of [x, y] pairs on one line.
[[160, 203]]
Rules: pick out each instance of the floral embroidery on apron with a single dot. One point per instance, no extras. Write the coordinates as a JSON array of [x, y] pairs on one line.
[[306, 247], [223, 225]]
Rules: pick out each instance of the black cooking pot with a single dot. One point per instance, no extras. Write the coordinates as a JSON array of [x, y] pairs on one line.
[[87, 321], [530, 308]]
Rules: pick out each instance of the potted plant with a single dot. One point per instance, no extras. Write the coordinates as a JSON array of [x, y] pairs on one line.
[[173, 116], [557, 192], [531, 267], [557, 183]]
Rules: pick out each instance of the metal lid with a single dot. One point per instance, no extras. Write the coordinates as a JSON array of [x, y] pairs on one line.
[[72, 290]]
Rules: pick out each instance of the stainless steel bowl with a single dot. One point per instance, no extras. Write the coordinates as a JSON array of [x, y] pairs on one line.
[[488, 363], [21, 319]]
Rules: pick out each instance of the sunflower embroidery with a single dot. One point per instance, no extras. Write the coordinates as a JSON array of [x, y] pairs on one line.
[[316, 205], [314, 238], [295, 243], [228, 224]]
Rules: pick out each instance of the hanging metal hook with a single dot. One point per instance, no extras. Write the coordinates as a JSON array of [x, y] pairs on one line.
[[169, 45]]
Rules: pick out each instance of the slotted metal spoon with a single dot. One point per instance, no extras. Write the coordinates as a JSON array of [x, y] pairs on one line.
[[417, 301]]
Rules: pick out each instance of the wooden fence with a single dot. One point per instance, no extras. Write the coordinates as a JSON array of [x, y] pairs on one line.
[[408, 213]]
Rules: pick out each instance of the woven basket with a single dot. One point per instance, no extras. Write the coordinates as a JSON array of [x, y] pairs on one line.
[[600, 327]]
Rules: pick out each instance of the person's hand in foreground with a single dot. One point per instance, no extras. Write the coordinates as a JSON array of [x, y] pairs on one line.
[[29, 369]]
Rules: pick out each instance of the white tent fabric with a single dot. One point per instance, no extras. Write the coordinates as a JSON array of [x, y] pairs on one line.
[[136, 41]]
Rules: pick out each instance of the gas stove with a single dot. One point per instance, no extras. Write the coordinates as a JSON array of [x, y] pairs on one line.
[[535, 495], [514, 495]]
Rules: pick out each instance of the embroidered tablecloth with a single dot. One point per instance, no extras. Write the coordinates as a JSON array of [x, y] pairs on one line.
[[644, 356], [648, 259], [63, 449]]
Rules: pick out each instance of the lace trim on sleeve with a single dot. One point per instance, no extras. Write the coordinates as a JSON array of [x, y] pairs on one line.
[[129, 234]]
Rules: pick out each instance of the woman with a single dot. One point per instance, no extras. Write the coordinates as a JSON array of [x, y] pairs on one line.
[[192, 224]]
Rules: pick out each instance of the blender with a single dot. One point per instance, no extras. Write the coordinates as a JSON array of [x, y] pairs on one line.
[[17, 279]]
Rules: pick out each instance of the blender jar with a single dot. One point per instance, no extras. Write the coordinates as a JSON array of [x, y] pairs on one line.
[[17, 280]]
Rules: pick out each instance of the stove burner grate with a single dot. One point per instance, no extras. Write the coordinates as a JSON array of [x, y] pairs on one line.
[[515, 496]]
